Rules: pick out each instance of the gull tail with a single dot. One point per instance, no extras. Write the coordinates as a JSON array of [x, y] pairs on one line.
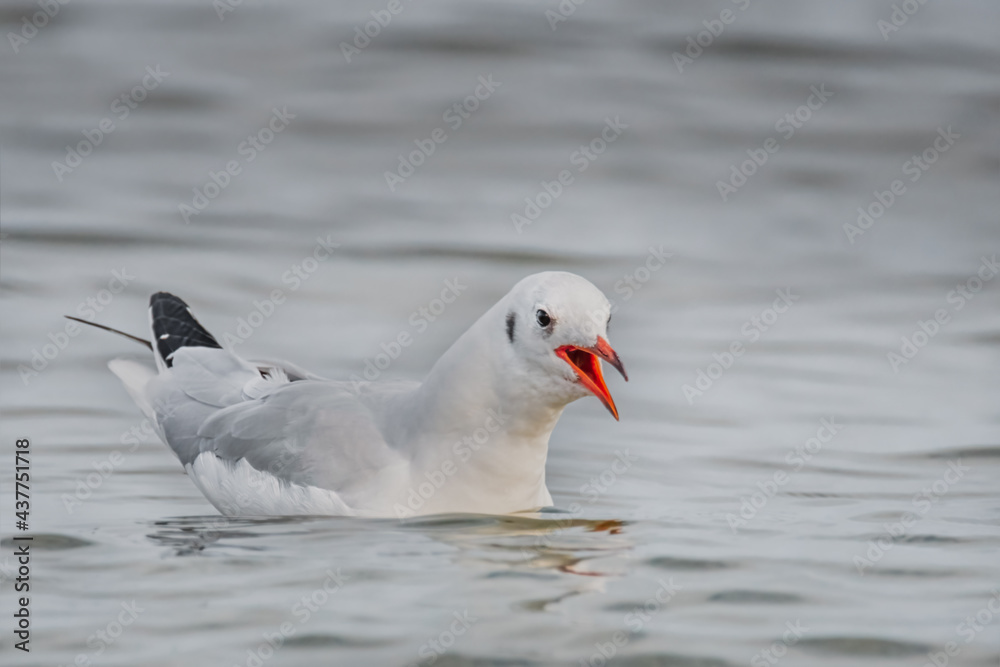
[[173, 327], [135, 377]]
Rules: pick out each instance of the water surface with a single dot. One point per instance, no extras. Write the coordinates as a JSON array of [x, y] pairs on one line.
[[812, 497]]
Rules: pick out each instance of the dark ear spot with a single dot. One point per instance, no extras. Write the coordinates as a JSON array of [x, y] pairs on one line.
[[511, 321]]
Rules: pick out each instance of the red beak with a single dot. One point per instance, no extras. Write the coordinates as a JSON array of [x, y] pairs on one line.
[[585, 361]]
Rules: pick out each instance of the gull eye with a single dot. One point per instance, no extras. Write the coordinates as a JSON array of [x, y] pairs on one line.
[[542, 318]]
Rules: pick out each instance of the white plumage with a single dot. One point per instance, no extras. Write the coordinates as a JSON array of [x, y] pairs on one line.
[[268, 438]]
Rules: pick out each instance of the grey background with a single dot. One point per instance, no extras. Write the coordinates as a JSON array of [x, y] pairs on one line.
[[209, 589]]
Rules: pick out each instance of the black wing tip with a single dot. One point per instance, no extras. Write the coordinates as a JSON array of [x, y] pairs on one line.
[[166, 296], [175, 326]]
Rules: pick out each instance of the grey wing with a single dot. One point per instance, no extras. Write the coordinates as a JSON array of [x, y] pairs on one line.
[[305, 432], [200, 382], [308, 433]]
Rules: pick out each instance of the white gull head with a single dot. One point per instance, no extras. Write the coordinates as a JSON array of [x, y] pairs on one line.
[[556, 325]]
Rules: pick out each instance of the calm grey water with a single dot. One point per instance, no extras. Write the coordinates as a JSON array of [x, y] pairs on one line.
[[811, 500]]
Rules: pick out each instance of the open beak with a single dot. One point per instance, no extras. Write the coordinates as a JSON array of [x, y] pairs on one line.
[[586, 362]]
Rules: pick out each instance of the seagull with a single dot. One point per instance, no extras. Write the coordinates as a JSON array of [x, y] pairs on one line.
[[267, 438]]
